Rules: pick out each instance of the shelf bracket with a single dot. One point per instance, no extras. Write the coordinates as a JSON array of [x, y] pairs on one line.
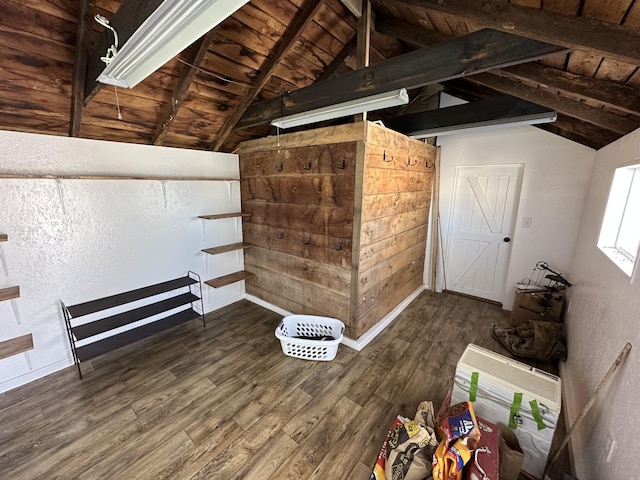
[[61, 195], [28, 359], [205, 259], [163, 185], [16, 312], [3, 260]]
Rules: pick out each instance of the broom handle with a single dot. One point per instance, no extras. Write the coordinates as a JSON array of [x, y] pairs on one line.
[[589, 404]]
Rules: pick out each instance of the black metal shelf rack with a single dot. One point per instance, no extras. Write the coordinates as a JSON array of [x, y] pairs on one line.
[[77, 332]]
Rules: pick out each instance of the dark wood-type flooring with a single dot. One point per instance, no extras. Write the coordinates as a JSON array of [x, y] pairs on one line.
[[225, 403]]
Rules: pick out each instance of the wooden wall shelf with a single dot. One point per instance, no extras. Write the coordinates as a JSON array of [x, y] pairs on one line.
[[218, 216], [4, 237], [227, 248], [9, 293], [16, 345], [229, 279], [37, 176]]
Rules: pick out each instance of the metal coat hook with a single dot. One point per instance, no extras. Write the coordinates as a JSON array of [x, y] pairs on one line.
[[280, 167], [280, 235], [384, 157], [307, 166], [307, 241], [339, 246], [342, 163]]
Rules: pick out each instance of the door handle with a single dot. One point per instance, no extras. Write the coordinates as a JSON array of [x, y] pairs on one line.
[[506, 239]]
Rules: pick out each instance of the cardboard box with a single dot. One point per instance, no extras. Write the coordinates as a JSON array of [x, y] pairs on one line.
[[543, 304]]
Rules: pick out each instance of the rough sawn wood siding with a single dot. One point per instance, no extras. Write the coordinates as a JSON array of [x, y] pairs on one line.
[[339, 220]]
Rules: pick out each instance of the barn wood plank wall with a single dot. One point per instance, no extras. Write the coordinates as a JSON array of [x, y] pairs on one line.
[[338, 219]]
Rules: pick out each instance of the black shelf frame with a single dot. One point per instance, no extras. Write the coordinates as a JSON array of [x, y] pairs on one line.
[[108, 323]]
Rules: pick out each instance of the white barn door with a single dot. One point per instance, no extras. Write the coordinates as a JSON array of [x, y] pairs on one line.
[[483, 215]]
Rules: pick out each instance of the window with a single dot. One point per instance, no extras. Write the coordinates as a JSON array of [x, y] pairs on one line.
[[620, 232]]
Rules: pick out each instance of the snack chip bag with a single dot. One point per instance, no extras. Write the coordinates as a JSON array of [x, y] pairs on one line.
[[460, 436]]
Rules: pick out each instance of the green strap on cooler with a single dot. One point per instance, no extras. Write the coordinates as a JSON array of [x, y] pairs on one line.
[[535, 411], [473, 388], [515, 408]]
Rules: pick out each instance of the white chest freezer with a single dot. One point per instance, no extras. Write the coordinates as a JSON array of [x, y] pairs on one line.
[[515, 394]]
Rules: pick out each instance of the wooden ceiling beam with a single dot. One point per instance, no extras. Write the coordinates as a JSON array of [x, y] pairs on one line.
[[584, 33], [603, 118], [87, 7], [571, 128], [614, 95], [428, 98], [477, 52], [580, 132], [623, 98], [125, 21], [187, 74], [283, 48], [489, 111]]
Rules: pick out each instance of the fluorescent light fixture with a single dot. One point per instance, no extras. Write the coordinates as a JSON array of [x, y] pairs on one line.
[[352, 107], [172, 27], [486, 125]]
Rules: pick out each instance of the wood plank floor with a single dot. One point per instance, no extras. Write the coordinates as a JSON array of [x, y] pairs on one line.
[[225, 403]]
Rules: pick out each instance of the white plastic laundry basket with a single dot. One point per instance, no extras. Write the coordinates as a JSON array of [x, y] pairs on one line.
[[294, 326]]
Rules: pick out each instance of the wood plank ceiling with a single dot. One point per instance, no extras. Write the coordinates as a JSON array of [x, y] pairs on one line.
[[271, 47]]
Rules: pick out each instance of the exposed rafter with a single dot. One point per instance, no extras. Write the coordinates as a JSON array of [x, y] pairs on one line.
[[596, 116], [180, 92], [338, 61], [625, 99], [487, 112], [284, 47], [477, 52], [570, 128], [408, 33], [428, 98], [605, 39], [85, 13], [614, 95], [125, 21]]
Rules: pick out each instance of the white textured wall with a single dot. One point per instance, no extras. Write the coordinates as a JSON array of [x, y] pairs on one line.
[[604, 315], [77, 240], [556, 177]]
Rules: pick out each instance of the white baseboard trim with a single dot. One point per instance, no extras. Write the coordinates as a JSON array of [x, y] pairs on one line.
[[349, 342], [267, 305], [210, 307], [374, 331], [34, 374]]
